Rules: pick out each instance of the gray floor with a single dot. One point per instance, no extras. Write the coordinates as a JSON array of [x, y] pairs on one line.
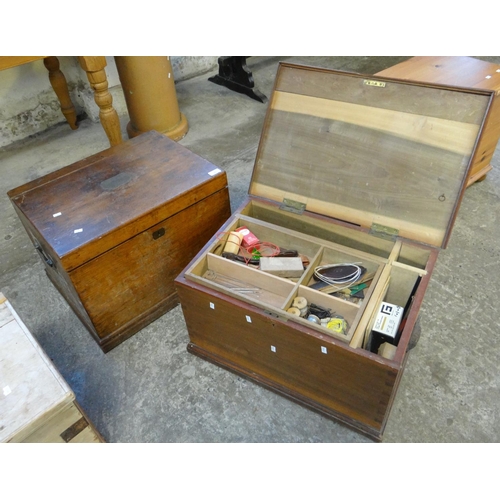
[[149, 389]]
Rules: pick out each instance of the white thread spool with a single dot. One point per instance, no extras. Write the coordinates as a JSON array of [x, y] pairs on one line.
[[301, 304], [314, 319], [233, 242]]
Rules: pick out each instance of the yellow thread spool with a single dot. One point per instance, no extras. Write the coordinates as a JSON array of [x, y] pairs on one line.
[[294, 311], [337, 325]]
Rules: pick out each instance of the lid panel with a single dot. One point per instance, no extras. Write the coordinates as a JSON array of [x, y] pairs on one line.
[[99, 199], [427, 100], [369, 154]]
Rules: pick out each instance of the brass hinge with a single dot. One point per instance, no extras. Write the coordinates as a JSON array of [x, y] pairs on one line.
[[296, 207], [385, 232]]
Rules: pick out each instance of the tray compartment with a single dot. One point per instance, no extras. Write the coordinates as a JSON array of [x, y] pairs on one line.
[[332, 256], [414, 255], [274, 234], [398, 285], [338, 307], [236, 279], [321, 227]]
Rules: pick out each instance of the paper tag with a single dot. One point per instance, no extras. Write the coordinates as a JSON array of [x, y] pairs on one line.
[[57, 215], [6, 390], [214, 171], [78, 231]]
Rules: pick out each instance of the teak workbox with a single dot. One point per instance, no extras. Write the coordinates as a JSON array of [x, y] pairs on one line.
[[349, 168], [115, 229]]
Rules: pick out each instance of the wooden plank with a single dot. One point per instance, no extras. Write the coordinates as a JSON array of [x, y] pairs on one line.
[[365, 218], [7, 62], [449, 135], [372, 303], [433, 100], [421, 272]]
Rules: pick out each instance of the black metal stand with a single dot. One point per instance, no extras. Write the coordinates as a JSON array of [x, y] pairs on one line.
[[235, 75]]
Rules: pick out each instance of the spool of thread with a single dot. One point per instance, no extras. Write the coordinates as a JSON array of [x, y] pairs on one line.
[[233, 242], [337, 325], [301, 304], [294, 311]]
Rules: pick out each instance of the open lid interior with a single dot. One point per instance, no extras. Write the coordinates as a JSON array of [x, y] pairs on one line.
[[369, 150]]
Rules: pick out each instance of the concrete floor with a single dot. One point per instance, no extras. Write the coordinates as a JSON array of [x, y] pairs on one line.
[[150, 389]]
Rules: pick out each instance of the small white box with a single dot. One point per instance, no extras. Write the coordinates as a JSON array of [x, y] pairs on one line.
[[388, 319], [285, 267]]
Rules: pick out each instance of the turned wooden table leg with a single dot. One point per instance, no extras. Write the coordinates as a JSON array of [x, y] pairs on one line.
[[94, 67], [60, 86]]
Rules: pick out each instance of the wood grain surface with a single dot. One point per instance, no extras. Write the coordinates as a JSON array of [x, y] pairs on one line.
[[108, 198], [115, 229], [36, 403], [343, 381], [464, 72], [396, 155]]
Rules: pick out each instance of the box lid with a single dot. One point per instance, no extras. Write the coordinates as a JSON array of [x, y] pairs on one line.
[[369, 150], [93, 205]]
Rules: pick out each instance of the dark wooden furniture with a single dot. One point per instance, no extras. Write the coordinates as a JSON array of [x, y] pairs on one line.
[[235, 75], [350, 169], [115, 229]]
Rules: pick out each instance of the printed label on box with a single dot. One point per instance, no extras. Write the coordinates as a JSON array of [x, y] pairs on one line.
[[388, 319]]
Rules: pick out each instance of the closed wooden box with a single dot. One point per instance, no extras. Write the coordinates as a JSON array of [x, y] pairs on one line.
[[36, 404], [115, 229], [465, 72], [350, 169]]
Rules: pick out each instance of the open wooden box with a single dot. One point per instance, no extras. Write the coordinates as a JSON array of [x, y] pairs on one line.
[[350, 169]]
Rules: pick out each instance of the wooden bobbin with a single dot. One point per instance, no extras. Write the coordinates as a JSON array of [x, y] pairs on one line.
[[233, 242], [293, 310], [301, 304]]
